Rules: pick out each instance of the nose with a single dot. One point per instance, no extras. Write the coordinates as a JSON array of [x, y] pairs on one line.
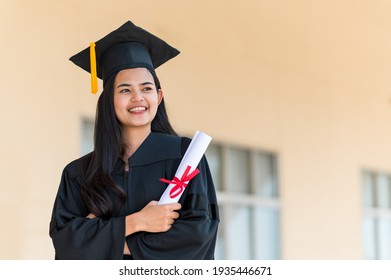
[[136, 96]]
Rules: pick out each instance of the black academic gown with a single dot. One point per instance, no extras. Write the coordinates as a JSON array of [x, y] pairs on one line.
[[192, 236]]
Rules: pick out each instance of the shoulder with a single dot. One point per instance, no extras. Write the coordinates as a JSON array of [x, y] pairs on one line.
[[77, 167], [185, 142], [177, 143], [159, 147], [165, 140]]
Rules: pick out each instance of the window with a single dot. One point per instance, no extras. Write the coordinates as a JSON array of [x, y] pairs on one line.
[[247, 191], [87, 136], [376, 225]]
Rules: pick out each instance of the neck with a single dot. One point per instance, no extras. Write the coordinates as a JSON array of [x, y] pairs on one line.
[[133, 138]]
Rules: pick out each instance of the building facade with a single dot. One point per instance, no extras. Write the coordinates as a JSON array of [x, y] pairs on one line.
[[296, 95]]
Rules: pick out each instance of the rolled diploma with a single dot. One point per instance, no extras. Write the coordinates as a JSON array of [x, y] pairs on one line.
[[192, 158]]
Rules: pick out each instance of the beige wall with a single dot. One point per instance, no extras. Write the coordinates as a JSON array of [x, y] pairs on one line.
[[308, 80]]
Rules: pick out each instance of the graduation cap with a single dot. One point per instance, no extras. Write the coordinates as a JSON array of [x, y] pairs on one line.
[[129, 46]]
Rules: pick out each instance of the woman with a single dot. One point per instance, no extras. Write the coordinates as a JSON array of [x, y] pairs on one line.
[[106, 206]]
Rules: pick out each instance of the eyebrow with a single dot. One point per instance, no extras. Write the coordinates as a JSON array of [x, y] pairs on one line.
[[128, 85]]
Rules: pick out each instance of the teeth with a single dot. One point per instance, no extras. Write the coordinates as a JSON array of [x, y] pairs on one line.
[[137, 109]]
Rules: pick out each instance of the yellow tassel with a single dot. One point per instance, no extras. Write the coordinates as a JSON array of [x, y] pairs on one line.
[[94, 77]]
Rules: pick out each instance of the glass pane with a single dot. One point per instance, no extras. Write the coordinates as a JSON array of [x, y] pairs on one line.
[[87, 136], [213, 155], [238, 169], [368, 228], [238, 234], [220, 249], [265, 177], [266, 233], [384, 228], [368, 189], [383, 191]]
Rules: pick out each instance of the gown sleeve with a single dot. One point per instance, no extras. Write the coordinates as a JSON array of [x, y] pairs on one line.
[[193, 235], [76, 237]]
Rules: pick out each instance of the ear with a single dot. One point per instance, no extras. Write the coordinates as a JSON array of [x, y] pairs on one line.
[[159, 96]]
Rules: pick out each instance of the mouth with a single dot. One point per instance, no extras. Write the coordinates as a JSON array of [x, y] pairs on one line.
[[137, 109]]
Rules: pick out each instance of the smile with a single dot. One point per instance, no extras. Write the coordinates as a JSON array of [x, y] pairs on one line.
[[137, 109]]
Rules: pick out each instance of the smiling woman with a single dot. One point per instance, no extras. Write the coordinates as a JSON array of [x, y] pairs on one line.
[[106, 206], [136, 98]]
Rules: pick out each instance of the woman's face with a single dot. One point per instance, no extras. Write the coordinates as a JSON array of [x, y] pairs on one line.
[[136, 98]]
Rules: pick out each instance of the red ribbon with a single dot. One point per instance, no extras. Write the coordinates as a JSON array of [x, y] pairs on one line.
[[180, 184]]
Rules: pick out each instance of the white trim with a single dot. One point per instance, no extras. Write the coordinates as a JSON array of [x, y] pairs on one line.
[[246, 199], [377, 213]]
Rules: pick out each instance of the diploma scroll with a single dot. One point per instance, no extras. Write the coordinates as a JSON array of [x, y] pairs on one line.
[[187, 168]]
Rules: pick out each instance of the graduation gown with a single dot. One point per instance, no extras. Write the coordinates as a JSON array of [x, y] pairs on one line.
[[192, 236]]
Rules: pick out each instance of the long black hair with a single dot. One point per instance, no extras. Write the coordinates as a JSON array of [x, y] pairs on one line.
[[99, 188]]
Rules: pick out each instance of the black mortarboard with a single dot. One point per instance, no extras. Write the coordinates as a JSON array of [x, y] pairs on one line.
[[126, 47]]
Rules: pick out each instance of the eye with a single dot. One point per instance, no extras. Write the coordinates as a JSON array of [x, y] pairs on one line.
[[147, 89], [124, 90]]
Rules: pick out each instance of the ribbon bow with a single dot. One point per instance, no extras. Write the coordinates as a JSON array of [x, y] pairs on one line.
[[180, 184]]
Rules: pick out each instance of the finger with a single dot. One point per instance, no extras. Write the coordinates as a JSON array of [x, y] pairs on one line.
[[178, 206], [91, 216], [174, 206], [174, 215], [152, 202]]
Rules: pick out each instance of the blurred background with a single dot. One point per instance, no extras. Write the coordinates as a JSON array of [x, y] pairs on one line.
[[296, 95]]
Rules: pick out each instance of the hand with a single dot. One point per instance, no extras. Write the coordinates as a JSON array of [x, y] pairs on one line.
[[158, 218], [91, 216], [153, 218], [126, 249]]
